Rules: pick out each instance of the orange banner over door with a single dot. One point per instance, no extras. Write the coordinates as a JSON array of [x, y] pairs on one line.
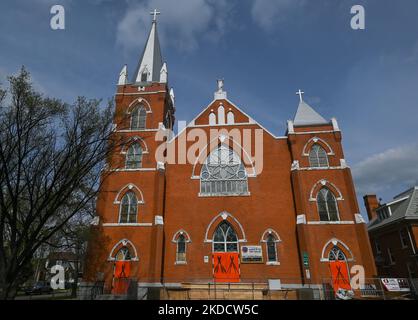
[[120, 277], [340, 277], [226, 267]]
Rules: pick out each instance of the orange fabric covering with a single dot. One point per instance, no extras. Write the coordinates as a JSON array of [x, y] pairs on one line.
[[121, 275], [226, 267], [340, 277]]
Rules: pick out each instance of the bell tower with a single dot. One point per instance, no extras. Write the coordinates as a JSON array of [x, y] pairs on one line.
[[328, 219], [130, 204]]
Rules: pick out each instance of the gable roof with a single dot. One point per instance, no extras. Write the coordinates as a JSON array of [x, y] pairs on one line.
[[403, 207], [306, 115], [210, 105]]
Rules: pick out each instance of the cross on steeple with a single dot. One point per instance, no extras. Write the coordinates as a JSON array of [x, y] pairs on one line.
[[300, 93], [155, 13]]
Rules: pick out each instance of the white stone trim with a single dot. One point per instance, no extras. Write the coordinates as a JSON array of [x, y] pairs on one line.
[[181, 232], [129, 186], [133, 170], [330, 222], [268, 232], [250, 119], [124, 243], [315, 132], [335, 242], [159, 220], [142, 224], [301, 219], [139, 101], [203, 195], [224, 215], [359, 218], [320, 168], [324, 182], [133, 140], [315, 140]]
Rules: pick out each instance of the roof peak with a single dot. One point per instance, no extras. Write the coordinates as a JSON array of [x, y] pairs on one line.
[[306, 115]]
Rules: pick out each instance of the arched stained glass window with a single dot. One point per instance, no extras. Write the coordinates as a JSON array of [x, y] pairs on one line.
[[225, 239], [318, 157], [181, 249], [134, 156], [223, 173], [271, 248], [336, 254], [128, 208], [123, 254], [327, 205], [138, 118]]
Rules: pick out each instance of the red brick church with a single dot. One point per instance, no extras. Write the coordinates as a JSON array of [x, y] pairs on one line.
[[248, 208]]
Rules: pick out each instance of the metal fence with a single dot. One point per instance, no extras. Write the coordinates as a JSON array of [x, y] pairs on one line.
[[374, 289], [246, 289]]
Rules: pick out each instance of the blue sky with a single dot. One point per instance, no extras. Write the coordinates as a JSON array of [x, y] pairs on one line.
[[264, 49]]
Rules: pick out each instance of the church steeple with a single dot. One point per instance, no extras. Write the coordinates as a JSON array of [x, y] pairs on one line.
[[306, 115], [150, 66]]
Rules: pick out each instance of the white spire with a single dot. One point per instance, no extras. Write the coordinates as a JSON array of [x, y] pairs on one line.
[[123, 76], [151, 62]]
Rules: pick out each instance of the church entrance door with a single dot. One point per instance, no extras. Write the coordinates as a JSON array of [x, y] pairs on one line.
[[122, 272], [225, 256]]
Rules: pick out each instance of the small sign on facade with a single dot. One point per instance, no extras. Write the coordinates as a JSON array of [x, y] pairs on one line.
[[206, 259], [251, 254], [305, 258], [396, 285]]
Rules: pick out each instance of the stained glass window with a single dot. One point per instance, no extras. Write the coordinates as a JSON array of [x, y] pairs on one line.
[[134, 156], [271, 249], [327, 205], [128, 208], [318, 157], [225, 239], [138, 118], [223, 173]]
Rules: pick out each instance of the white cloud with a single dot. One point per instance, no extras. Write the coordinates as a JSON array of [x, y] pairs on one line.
[[392, 169], [183, 22], [267, 13]]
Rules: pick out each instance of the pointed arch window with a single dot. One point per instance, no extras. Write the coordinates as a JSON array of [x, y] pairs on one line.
[[134, 156], [230, 118], [128, 208], [336, 254], [123, 254], [271, 248], [181, 249], [225, 238], [212, 118], [318, 157], [327, 205], [221, 115], [223, 173], [138, 118]]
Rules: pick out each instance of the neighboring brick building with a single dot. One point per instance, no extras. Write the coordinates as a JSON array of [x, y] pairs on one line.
[[393, 231], [280, 207]]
